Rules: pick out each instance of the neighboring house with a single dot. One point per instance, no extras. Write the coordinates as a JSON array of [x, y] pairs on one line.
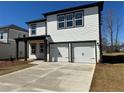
[[7, 41], [68, 35]]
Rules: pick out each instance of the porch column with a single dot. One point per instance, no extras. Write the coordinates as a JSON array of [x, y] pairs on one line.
[[45, 52], [25, 50], [17, 49]]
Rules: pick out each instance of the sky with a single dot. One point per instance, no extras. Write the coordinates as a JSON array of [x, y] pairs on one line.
[[19, 12]]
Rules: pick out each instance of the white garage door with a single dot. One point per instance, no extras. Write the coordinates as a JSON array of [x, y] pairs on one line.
[[83, 52], [59, 52]]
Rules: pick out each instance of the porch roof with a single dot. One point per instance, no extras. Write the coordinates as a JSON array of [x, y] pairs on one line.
[[41, 37]]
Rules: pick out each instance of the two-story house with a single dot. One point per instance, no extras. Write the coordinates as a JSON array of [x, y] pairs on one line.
[[67, 35], [7, 41]]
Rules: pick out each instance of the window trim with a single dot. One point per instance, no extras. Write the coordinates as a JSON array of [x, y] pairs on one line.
[[60, 22], [74, 25], [79, 19], [69, 20], [33, 29]]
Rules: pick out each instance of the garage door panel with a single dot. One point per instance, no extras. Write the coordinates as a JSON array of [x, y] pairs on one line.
[[59, 52], [84, 52]]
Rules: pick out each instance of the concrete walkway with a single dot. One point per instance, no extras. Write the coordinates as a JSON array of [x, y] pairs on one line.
[[49, 76]]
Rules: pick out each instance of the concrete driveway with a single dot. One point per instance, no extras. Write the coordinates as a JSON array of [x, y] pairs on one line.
[[49, 76]]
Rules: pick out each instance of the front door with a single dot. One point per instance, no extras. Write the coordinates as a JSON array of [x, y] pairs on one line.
[[40, 52]]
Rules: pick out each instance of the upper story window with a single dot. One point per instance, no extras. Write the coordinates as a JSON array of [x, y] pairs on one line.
[[61, 21], [69, 20], [79, 18], [1, 35], [33, 29]]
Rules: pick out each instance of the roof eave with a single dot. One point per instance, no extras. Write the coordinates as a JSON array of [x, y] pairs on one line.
[[35, 21], [100, 4]]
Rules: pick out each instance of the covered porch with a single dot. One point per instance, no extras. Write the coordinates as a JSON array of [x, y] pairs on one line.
[[34, 39]]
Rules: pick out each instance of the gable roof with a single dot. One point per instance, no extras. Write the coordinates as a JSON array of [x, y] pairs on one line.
[[100, 4], [12, 26], [35, 21]]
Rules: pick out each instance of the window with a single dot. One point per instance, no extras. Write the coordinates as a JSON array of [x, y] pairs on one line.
[[61, 21], [74, 19], [79, 19], [33, 48], [33, 29], [69, 20], [1, 35], [41, 47]]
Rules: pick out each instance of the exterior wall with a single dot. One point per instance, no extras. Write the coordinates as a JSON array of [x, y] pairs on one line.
[[9, 50], [90, 30], [5, 37], [40, 29]]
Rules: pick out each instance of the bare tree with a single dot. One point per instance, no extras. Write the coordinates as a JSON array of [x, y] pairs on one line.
[[111, 29], [110, 24], [118, 24]]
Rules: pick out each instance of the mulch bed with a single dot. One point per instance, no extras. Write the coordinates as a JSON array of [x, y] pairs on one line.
[[11, 63]]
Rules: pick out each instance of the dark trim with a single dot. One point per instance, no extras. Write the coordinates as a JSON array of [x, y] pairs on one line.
[[71, 52], [17, 49], [96, 51], [45, 54], [46, 28], [36, 21], [68, 53], [74, 21], [49, 52], [100, 37], [41, 37], [25, 50], [76, 8], [72, 42]]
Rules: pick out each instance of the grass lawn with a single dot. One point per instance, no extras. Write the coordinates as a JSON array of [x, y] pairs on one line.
[[8, 66], [108, 78]]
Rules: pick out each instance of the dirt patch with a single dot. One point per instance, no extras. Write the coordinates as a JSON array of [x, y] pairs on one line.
[[11, 66], [108, 78]]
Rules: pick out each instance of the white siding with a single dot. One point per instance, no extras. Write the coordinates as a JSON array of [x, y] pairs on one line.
[[90, 31], [40, 29]]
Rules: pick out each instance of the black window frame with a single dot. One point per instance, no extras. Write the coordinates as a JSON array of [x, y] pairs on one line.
[[79, 18], [69, 20], [33, 29], [74, 23], [60, 22]]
